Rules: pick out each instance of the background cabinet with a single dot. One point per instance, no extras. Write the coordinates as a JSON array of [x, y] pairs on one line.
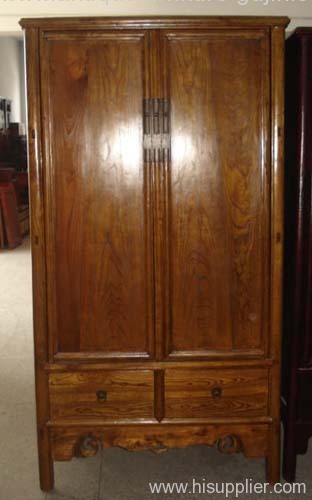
[[157, 233], [297, 359]]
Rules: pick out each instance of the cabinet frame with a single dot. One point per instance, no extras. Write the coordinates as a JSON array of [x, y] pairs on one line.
[[259, 437]]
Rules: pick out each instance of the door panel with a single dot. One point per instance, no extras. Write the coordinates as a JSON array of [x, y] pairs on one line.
[[97, 193], [218, 208]]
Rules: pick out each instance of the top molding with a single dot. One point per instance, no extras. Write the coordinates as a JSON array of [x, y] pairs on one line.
[[150, 22]]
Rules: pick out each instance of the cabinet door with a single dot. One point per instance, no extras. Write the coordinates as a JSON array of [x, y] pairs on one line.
[[97, 194], [218, 210]]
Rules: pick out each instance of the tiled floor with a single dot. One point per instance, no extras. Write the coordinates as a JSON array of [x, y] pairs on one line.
[[115, 474]]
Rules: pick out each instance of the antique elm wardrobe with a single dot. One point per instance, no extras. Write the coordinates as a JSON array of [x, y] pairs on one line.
[[156, 150]]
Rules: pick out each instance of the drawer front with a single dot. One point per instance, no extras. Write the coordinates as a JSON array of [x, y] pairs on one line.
[[108, 394], [196, 393]]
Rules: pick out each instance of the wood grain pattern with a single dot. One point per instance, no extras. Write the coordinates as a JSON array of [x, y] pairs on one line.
[[129, 394], [210, 393], [277, 189], [39, 283], [98, 229], [219, 203], [159, 391], [252, 437], [277, 230], [157, 284], [155, 22], [77, 365]]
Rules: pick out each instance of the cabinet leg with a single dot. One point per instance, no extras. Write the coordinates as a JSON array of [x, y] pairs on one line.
[[273, 459], [289, 454], [46, 470], [272, 470]]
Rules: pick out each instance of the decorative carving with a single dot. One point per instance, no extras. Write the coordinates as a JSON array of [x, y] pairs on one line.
[[87, 446], [229, 444], [69, 442], [159, 448], [155, 447]]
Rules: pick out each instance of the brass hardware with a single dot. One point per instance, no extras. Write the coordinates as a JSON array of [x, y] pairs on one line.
[[156, 129], [216, 392], [101, 396]]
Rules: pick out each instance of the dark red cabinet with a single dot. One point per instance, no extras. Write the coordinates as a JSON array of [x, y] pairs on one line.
[[297, 338]]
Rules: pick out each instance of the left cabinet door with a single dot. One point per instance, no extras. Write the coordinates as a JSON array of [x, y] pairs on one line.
[[97, 194]]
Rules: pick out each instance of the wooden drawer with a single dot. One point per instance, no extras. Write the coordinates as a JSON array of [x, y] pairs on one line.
[[197, 393], [109, 394]]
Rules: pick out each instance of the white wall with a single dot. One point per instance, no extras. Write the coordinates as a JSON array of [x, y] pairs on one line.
[[12, 76], [300, 11], [22, 80]]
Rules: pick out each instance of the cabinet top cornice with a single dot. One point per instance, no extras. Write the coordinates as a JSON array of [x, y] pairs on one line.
[[146, 22]]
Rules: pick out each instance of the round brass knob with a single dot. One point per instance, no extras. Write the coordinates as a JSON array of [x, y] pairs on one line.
[[216, 392], [101, 396]]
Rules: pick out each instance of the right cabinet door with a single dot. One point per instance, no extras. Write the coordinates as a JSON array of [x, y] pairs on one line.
[[217, 83]]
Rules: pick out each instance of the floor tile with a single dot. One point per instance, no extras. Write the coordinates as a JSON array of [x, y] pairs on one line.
[[77, 479], [127, 475]]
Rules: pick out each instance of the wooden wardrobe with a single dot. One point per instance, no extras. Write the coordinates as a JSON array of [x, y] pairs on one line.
[[156, 165], [297, 339]]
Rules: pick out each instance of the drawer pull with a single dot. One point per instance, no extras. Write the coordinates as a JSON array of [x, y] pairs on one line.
[[101, 396], [216, 392]]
